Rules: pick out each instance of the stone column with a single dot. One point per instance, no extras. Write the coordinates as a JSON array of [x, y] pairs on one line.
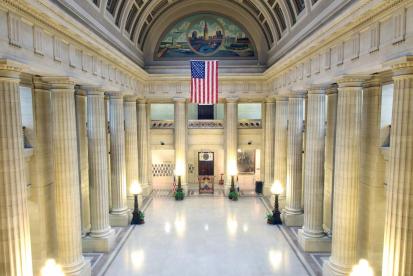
[[41, 175], [131, 146], [231, 140], [143, 146], [119, 214], [280, 145], [398, 238], [81, 124], [329, 158], [269, 145], [16, 258], [312, 237], [102, 237], [180, 135], [293, 212], [66, 176], [346, 178]]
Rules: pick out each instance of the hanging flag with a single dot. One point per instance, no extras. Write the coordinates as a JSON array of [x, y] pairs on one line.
[[204, 81]]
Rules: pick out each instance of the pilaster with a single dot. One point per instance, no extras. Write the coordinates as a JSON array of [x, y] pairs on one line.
[[143, 146], [180, 134], [269, 145], [231, 140]]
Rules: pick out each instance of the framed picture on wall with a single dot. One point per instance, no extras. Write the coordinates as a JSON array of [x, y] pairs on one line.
[[246, 161]]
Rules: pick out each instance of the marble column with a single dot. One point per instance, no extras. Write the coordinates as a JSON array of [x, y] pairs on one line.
[[66, 176], [280, 145], [293, 212], [269, 145], [344, 253], [231, 140], [180, 134], [16, 258], [119, 213], [398, 237], [102, 237], [131, 146], [41, 175], [329, 158], [143, 147], [312, 237], [81, 124]]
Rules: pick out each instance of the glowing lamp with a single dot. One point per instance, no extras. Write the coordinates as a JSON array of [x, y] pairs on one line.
[[136, 188], [276, 188], [51, 268], [362, 269]]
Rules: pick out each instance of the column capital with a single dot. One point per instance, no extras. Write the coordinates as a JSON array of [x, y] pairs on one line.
[[130, 98], [92, 90], [401, 66], [318, 89], [332, 90], [297, 94], [232, 99], [179, 99], [352, 80], [280, 98], [142, 101], [115, 95], [269, 99], [373, 82], [10, 68], [40, 84]]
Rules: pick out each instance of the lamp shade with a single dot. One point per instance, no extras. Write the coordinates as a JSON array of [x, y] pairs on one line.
[[136, 188], [276, 188]]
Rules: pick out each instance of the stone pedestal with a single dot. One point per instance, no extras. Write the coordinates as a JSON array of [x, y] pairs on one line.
[[119, 213], [312, 237], [280, 145], [231, 140], [180, 135], [293, 212], [269, 146], [143, 147], [398, 238], [66, 176], [101, 235], [131, 146], [16, 258], [346, 178]]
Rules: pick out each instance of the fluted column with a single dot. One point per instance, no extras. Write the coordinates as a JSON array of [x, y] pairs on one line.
[[398, 237], [16, 258], [131, 146], [119, 210], [346, 177], [180, 134], [293, 212], [81, 124], [312, 237], [280, 145], [231, 140], [329, 158], [143, 146], [66, 176], [269, 145], [101, 234]]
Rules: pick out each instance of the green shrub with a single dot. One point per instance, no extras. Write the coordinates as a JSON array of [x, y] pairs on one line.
[[233, 195], [179, 194]]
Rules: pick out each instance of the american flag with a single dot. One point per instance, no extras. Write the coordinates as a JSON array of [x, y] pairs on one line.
[[204, 81]]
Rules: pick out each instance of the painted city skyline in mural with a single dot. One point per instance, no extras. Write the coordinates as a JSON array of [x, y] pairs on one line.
[[205, 35]]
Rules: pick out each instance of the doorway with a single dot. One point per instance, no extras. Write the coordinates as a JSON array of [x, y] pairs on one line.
[[206, 172]]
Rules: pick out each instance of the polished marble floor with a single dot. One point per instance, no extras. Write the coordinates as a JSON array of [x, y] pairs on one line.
[[206, 236]]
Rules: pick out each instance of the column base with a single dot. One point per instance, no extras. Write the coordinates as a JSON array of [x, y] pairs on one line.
[[83, 269], [311, 244], [292, 219], [120, 220], [330, 269], [99, 245]]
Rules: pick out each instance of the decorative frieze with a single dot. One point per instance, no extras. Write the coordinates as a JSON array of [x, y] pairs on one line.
[[355, 41], [158, 124], [399, 26], [202, 124], [340, 53], [250, 124], [327, 59], [57, 49], [38, 40]]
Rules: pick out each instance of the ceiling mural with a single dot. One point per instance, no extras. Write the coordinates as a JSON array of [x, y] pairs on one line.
[[205, 35]]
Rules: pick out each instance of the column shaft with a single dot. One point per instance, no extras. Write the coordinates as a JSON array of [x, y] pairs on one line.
[[66, 175], [180, 134], [280, 145], [131, 146], [143, 146], [117, 156], [398, 238], [346, 178], [269, 145], [16, 258], [231, 140], [293, 212]]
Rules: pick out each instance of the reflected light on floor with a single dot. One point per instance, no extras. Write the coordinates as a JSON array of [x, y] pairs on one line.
[[180, 225], [275, 258], [206, 227], [232, 225], [167, 227], [51, 268], [137, 257], [245, 228], [362, 269]]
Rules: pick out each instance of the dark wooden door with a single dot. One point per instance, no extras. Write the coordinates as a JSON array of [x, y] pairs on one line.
[[206, 163]]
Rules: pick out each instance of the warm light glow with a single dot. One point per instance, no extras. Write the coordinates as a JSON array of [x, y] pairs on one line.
[[180, 225], [232, 168], [138, 258], [232, 225], [276, 188], [239, 150], [180, 168], [245, 228], [135, 188], [275, 258], [362, 269], [51, 268]]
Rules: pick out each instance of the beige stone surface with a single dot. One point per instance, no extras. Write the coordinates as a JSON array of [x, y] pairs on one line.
[[269, 145], [180, 139], [231, 139], [145, 167]]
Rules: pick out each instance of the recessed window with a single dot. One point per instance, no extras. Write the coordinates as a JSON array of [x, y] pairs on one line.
[[299, 4], [111, 6], [249, 111], [291, 11], [131, 17], [280, 16], [161, 112], [122, 5]]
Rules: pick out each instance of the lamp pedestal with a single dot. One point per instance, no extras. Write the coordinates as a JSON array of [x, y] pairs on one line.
[[179, 194], [276, 214], [137, 215]]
